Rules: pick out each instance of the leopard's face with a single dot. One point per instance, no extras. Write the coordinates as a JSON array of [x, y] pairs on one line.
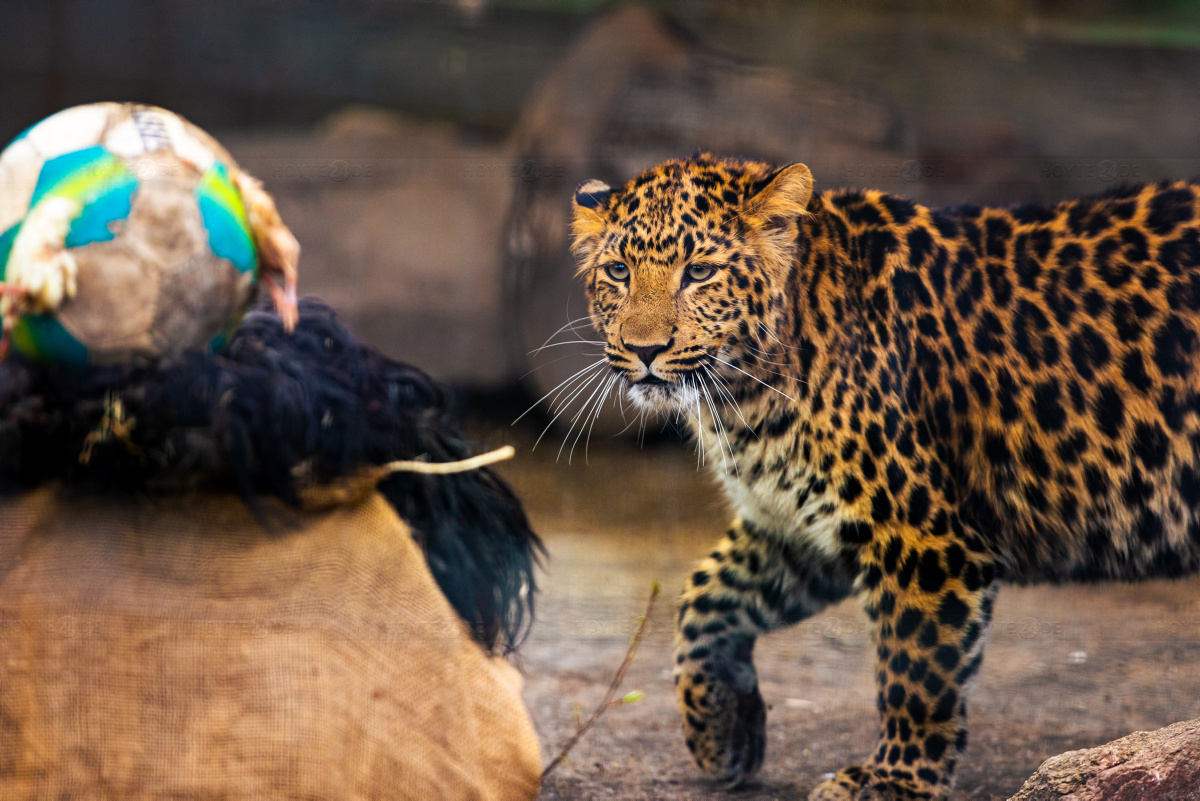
[[685, 266]]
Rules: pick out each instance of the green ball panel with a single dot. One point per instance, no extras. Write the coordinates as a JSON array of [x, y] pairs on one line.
[[43, 338], [70, 174], [224, 217]]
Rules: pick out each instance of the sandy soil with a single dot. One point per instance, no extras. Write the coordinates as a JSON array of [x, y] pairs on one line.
[[1067, 667]]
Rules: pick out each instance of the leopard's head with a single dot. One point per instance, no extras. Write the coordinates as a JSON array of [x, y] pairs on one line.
[[686, 266]]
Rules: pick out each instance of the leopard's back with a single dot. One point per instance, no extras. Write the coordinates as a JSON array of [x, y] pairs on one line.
[[1054, 359]]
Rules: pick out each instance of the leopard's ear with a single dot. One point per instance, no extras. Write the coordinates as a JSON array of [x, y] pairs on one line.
[[781, 197], [590, 199]]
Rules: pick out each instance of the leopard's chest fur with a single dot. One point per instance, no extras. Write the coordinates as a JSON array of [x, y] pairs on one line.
[[774, 472]]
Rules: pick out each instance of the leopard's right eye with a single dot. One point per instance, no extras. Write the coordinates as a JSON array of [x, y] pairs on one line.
[[617, 271]]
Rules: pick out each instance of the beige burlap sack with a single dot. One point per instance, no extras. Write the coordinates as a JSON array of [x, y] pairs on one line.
[[172, 648]]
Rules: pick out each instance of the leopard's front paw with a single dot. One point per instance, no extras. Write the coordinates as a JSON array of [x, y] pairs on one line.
[[844, 786], [856, 783], [725, 726]]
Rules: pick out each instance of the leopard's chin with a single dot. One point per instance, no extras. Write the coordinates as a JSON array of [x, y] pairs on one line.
[[654, 397], [659, 395]]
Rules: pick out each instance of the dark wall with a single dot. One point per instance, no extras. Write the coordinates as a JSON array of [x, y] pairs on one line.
[[268, 63], [1116, 84]]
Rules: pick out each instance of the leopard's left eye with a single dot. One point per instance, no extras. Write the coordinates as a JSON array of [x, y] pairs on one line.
[[617, 272], [700, 272]]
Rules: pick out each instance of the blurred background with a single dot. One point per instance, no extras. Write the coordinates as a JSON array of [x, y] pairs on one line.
[[424, 154]]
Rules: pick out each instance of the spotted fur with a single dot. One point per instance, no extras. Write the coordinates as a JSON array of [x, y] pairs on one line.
[[908, 404]]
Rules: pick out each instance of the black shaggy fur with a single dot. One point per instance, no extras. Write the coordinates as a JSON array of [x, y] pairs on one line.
[[271, 408]]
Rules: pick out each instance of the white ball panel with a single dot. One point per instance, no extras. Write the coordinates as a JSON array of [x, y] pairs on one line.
[[73, 129], [147, 129], [20, 166], [187, 146], [124, 140]]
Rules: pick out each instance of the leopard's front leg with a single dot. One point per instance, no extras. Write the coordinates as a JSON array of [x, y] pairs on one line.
[[929, 594], [748, 586]]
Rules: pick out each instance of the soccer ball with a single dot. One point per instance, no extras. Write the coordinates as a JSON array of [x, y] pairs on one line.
[[125, 235]]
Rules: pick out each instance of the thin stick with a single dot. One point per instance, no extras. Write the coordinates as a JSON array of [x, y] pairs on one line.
[[445, 468], [608, 702]]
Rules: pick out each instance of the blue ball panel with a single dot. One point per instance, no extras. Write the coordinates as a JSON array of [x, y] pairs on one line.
[[43, 338], [227, 236], [224, 215], [93, 223], [6, 243]]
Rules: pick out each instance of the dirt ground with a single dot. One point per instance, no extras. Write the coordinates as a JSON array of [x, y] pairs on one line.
[[1067, 667]]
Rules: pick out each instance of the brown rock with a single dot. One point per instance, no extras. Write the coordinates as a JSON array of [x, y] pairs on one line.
[[1145, 765], [400, 224]]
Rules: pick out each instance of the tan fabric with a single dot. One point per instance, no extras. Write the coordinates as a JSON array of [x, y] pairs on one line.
[[170, 648]]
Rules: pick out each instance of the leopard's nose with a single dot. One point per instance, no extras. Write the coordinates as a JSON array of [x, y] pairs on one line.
[[647, 352]]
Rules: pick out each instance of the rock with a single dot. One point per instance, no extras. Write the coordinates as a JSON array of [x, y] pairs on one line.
[[1162, 764], [400, 224]]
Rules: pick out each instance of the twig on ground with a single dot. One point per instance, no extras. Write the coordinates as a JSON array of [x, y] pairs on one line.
[[608, 701]]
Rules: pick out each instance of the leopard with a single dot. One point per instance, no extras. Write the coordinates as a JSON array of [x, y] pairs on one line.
[[907, 404]]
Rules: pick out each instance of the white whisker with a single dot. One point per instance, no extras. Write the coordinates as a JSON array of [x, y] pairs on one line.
[[743, 372], [587, 404], [564, 406], [723, 390], [763, 329], [568, 342], [569, 325], [720, 450], [567, 395], [719, 425], [591, 366], [556, 361], [621, 403], [785, 376], [593, 411], [766, 361], [599, 409]]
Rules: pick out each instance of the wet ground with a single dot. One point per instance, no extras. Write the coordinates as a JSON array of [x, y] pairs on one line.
[[1067, 667]]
